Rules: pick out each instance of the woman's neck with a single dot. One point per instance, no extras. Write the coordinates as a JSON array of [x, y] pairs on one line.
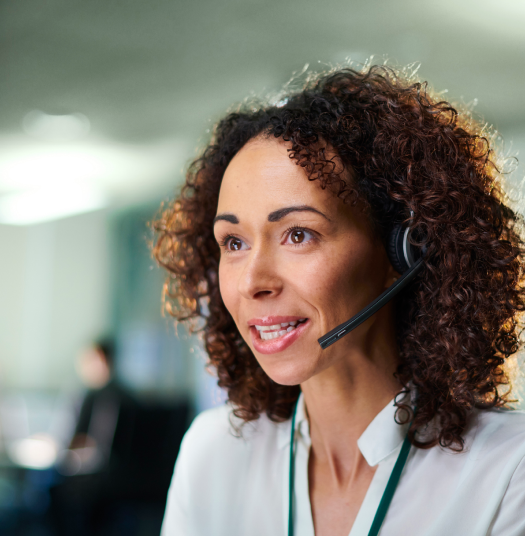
[[342, 401]]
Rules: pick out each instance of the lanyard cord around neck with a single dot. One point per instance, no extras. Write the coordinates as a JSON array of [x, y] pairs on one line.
[[386, 499]]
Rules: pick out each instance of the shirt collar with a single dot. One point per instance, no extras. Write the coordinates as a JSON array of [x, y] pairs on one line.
[[381, 437]]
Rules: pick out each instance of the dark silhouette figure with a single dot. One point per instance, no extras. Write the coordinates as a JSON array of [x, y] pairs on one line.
[[116, 472]]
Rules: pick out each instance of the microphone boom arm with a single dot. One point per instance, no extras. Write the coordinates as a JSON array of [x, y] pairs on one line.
[[343, 329]]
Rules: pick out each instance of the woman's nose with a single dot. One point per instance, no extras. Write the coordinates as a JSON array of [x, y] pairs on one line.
[[259, 276]]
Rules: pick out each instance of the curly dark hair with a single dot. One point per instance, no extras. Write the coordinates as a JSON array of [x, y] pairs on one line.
[[407, 150]]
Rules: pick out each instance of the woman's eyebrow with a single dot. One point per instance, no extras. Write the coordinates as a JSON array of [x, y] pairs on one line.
[[279, 214], [232, 218]]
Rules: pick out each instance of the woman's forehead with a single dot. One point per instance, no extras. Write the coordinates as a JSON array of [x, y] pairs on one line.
[[262, 177]]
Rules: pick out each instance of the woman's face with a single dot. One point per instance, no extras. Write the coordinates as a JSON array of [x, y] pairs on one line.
[[295, 262]]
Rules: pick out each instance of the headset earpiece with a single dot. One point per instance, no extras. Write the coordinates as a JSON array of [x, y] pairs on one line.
[[401, 253]]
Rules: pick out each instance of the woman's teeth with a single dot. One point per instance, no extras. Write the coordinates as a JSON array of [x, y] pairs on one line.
[[277, 330]]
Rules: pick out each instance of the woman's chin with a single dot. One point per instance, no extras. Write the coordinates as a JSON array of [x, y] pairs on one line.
[[286, 373]]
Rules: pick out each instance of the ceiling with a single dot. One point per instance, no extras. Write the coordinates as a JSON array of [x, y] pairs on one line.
[[152, 76]]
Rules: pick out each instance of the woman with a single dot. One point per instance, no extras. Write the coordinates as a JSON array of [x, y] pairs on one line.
[[280, 235]]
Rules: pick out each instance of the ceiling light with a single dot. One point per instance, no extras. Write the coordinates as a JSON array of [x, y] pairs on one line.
[[55, 127]]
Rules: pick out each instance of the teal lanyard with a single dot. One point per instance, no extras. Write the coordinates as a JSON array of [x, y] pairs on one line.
[[388, 494]]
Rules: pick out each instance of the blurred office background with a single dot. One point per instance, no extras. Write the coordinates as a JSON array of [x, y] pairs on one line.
[[102, 104]]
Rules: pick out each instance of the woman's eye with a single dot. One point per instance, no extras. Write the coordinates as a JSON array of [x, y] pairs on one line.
[[299, 236], [233, 244]]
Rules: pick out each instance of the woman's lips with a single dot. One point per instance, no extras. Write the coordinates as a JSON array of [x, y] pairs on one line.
[[281, 343]]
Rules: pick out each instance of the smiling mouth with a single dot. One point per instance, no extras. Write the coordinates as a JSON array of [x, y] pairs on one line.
[[275, 331]]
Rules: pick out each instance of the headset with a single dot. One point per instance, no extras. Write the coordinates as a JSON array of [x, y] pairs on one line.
[[406, 259]]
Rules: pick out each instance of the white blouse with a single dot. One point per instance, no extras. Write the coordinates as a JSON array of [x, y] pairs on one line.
[[225, 485]]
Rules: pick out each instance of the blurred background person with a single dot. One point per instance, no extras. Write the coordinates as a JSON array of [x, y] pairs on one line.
[[103, 406], [100, 450], [114, 474]]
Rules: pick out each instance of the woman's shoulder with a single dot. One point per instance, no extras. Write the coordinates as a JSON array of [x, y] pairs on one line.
[[512, 419], [219, 460], [211, 423], [498, 431], [499, 449], [218, 430]]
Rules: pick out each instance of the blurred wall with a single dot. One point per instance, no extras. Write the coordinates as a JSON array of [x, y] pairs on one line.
[[55, 296]]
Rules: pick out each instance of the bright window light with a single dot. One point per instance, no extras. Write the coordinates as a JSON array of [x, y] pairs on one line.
[[42, 181], [36, 452], [48, 203], [29, 167]]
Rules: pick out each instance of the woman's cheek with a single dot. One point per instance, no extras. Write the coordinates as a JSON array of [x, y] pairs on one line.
[[330, 280], [227, 288], [320, 275]]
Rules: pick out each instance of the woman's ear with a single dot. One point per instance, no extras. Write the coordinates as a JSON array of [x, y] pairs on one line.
[[392, 276]]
